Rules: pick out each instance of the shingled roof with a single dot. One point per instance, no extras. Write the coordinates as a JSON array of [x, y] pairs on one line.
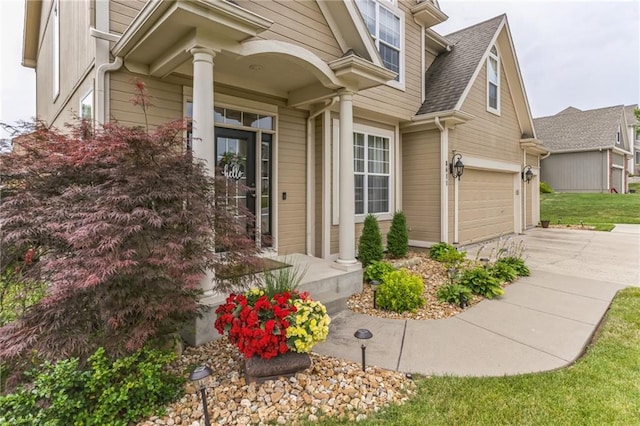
[[451, 72], [575, 130], [631, 117]]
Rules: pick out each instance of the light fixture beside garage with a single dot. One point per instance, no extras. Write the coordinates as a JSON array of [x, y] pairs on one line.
[[527, 174], [456, 167]]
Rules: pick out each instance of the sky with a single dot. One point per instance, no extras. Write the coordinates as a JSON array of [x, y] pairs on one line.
[[584, 54]]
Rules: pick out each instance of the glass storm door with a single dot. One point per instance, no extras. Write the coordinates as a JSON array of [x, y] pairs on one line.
[[236, 158]]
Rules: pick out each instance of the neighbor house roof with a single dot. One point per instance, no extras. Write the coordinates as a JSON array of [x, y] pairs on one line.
[[451, 72], [576, 130], [631, 117]]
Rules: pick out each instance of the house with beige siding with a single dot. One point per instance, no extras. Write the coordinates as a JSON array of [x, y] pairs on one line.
[[590, 150], [336, 108], [634, 139]]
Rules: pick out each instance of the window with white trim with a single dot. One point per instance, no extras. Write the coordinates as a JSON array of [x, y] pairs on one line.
[[56, 48], [493, 81], [385, 26], [86, 106], [618, 135], [371, 164]]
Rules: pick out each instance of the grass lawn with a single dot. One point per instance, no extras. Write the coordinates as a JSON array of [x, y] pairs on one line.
[[599, 210], [601, 388]]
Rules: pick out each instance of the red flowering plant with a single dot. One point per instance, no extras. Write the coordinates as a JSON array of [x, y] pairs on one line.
[[257, 324]]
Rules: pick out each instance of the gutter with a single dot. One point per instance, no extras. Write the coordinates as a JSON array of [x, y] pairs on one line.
[[310, 175]]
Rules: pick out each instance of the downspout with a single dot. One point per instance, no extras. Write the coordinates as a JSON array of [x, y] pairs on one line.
[[422, 66], [311, 173], [524, 192], [103, 38], [444, 173]]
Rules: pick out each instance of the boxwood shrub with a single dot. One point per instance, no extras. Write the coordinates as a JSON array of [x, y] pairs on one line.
[[400, 291]]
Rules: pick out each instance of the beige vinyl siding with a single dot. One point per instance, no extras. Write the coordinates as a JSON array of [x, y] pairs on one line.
[[488, 135], [77, 50], [292, 180], [533, 160], [486, 205], [389, 100], [166, 100], [576, 172], [421, 184], [298, 22], [122, 12]]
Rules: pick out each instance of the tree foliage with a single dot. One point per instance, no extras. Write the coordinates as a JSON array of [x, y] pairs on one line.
[[398, 236], [370, 244], [124, 223]]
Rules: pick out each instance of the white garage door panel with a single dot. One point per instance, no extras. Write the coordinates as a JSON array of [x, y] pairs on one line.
[[486, 205]]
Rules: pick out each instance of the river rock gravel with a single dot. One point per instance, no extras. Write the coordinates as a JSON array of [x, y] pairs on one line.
[[330, 387]]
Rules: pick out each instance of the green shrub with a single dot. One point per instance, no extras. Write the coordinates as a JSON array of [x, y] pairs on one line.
[[450, 293], [503, 272], [105, 392], [370, 244], [545, 188], [400, 291], [377, 269], [446, 253], [398, 236], [479, 281], [16, 297], [517, 263]]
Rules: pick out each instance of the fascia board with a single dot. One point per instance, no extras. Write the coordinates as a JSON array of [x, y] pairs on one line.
[[31, 32]]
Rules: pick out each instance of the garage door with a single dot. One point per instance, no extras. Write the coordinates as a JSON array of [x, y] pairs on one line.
[[486, 207]]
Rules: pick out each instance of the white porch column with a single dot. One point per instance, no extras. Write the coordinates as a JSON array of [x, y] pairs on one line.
[[346, 235], [203, 144], [203, 128]]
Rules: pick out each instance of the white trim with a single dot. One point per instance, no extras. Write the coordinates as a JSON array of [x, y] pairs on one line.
[[517, 204], [492, 165], [393, 163], [420, 243], [456, 211], [326, 185], [617, 166], [88, 93], [495, 57]]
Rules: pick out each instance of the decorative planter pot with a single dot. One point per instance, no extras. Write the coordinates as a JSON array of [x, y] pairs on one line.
[[544, 223], [258, 370]]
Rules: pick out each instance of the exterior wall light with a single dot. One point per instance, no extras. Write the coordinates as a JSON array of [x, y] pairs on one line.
[[456, 167], [363, 334], [527, 174], [198, 375]]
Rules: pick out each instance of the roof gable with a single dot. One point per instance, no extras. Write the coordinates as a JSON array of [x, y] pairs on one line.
[[452, 72], [580, 130]]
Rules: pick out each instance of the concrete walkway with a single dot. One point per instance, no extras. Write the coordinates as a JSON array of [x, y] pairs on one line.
[[541, 323]]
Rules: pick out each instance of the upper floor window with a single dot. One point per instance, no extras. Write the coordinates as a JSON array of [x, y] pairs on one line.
[[86, 107], [56, 48], [618, 135], [493, 81], [385, 26], [371, 158]]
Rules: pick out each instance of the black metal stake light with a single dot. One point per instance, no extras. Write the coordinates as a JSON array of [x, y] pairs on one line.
[[463, 301], [374, 287], [198, 375], [485, 262], [363, 334]]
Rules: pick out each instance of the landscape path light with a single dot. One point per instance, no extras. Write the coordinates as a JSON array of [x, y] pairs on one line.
[[374, 286], [198, 376], [363, 334]]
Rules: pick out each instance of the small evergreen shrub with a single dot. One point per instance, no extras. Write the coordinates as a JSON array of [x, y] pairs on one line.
[[105, 392], [446, 253], [398, 236], [503, 272], [450, 293], [377, 269], [370, 244], [400, 291], [545, 188], [479, 281], [517, 263]]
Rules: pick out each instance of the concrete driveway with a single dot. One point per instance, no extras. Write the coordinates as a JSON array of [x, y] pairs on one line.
[[542, 322]]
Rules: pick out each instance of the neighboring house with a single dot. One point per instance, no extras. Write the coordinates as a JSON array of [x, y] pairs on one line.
[[326, 102], [590, 150], [634, 139]]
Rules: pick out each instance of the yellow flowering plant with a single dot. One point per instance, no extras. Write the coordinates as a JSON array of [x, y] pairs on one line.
[[308, 325]]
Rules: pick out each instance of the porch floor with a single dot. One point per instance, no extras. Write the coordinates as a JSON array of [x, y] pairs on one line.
[[326, 283]]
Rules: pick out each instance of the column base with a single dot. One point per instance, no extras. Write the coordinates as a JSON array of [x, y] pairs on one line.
[[347, 265], [201, 330]]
